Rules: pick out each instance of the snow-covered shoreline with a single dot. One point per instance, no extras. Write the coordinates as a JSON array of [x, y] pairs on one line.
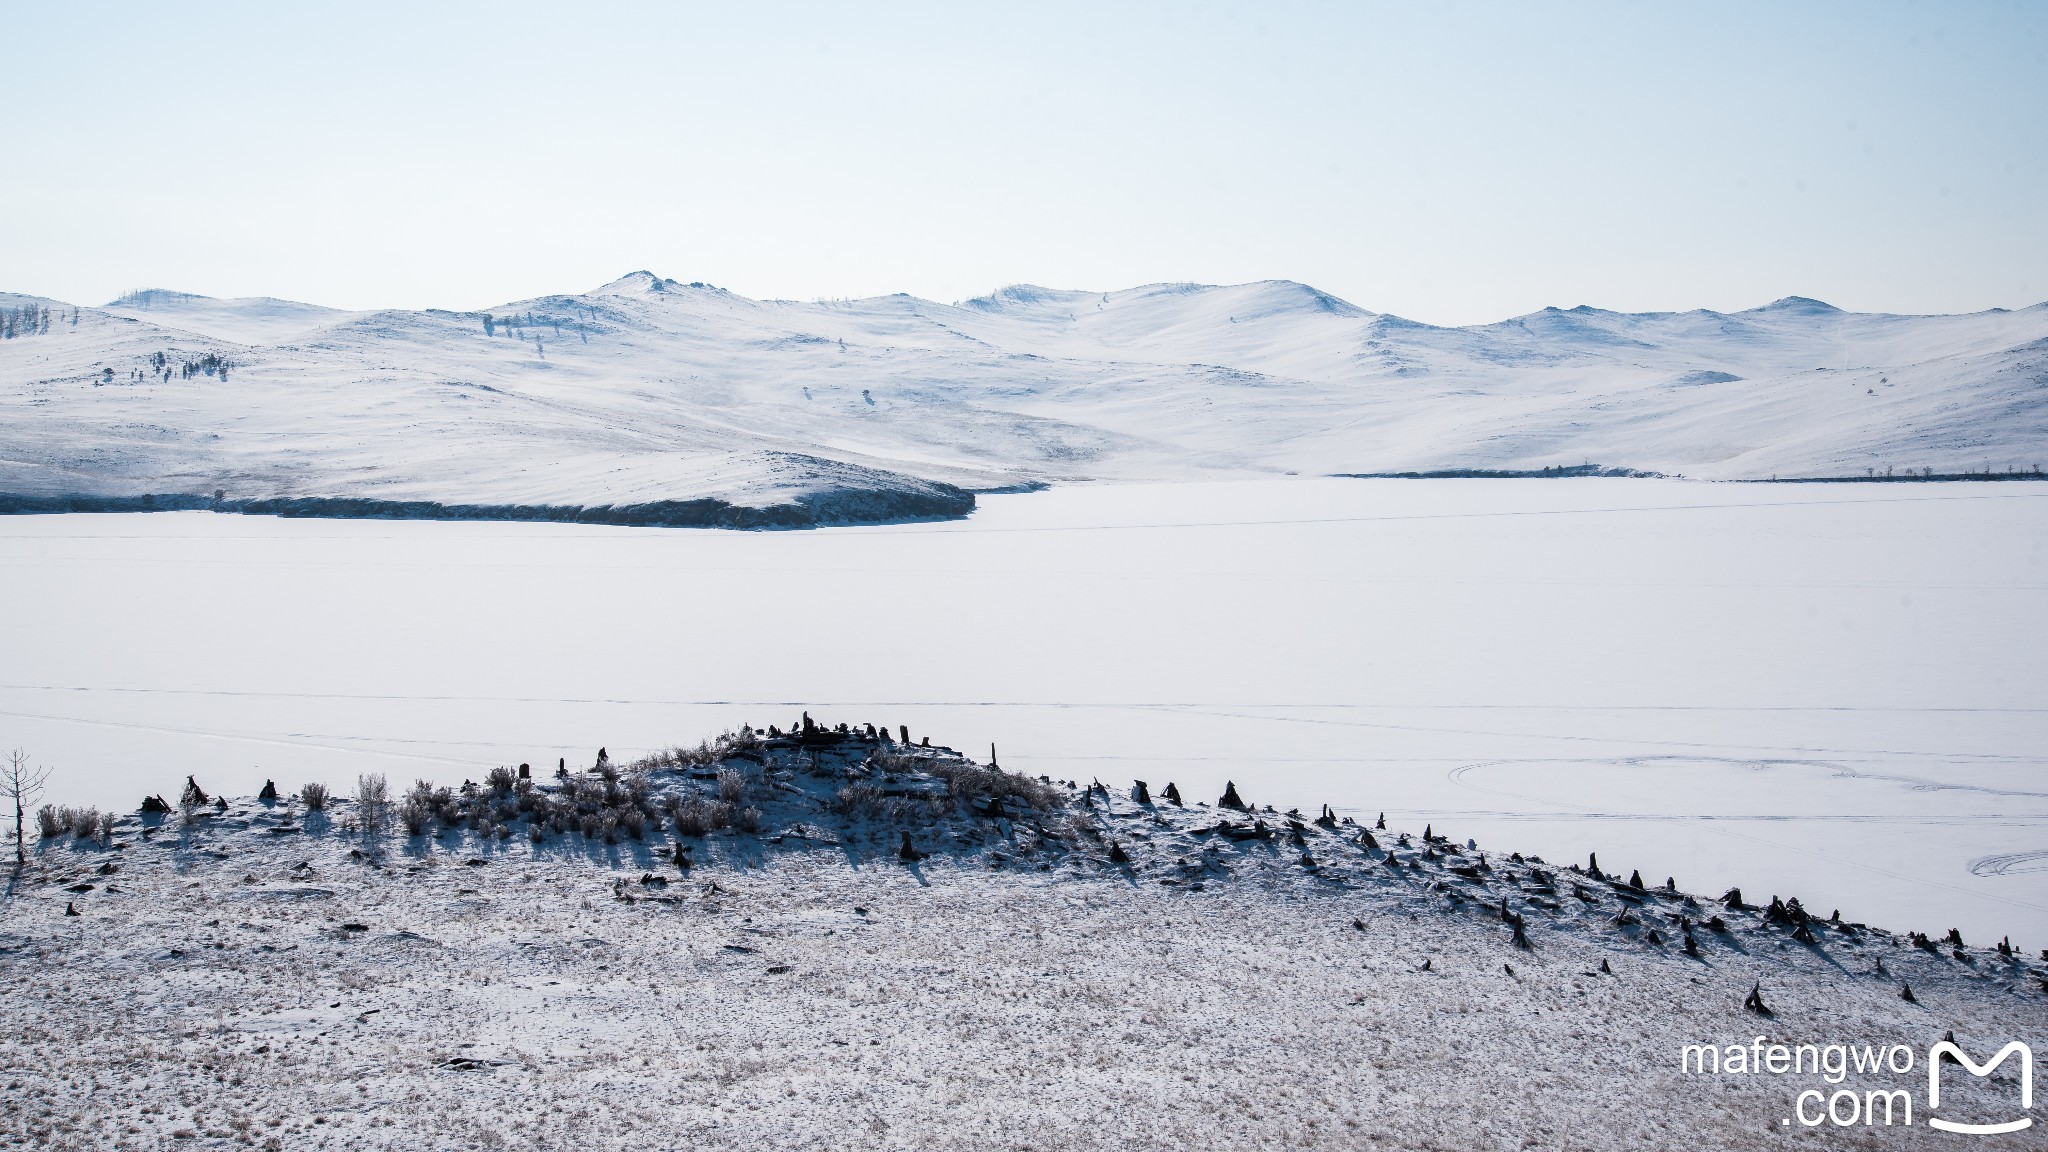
[[254, 974], [909, 503]]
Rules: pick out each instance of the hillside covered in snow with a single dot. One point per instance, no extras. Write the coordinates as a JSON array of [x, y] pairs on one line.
[[834, 939], [653, 394]]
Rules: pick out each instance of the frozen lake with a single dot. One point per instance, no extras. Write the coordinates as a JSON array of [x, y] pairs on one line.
[[1838, 692]]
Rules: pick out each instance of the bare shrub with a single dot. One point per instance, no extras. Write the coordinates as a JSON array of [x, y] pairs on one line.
[[373, 803], [732, 787], [315, 797], [747, 819], [107, 827], [968, 781], [47, 823], [501, 780], [414, 815], [899, 761], [588, 792], [695, 817], [83, 823], [858, 800], [535, 832]]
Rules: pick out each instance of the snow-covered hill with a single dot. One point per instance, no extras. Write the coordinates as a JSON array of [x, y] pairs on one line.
[[730, 947], [649, 390]]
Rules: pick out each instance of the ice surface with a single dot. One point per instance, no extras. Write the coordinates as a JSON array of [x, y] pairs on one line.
[[1829, 690]]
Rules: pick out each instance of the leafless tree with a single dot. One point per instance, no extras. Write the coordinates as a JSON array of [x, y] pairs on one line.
[[21, 784], [373, 804]]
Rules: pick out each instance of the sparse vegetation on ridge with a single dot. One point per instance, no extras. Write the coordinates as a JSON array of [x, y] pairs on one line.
[[763, 959]]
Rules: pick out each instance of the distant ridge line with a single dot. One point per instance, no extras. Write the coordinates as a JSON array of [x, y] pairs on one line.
[[1905, 477], [1563, 472]]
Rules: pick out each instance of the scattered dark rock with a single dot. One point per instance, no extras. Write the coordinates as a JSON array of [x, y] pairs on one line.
[[1754, 1002]]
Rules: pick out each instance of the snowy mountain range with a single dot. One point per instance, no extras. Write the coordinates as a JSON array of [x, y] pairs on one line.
[[651, 392]]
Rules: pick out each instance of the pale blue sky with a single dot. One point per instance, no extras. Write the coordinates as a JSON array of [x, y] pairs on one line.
[[1452, 163]]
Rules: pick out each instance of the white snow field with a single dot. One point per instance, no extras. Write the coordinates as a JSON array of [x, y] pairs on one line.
[[535, 965], [649, 390], [1830, 691]]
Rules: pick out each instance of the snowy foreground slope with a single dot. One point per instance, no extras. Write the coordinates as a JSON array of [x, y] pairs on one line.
[[649, 390], [1051, 966]]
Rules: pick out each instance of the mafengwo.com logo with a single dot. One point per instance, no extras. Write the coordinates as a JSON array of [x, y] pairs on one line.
[[1870, 1085]]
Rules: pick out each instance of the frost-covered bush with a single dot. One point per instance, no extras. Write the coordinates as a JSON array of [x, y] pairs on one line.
[[678, 759], [747, 819], [414, 815], [732, 787], [373, 803], [84, 823], [315, 797], [501, 780], [47, 823], [968, 781], [858, 800], [694, 817], [107, 827]]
